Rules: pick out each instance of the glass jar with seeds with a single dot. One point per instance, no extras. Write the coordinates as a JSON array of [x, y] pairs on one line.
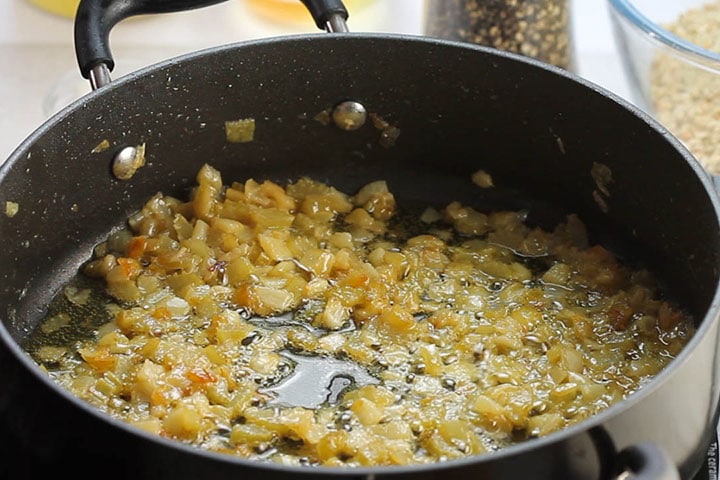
[[534, 28], [671, 56]]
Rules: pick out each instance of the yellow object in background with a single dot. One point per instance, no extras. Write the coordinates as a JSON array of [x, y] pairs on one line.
[[275, 10], [65, 8], [292, 10]]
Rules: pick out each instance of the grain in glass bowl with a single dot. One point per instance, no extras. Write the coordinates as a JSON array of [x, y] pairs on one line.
[[670, 51]]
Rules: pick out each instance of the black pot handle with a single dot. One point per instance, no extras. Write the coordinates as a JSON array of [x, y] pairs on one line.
[[640, 461], [95, 19], [646, 461], [329, 15]]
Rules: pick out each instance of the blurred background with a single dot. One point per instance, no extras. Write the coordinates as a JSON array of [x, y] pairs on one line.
[[39, 75]]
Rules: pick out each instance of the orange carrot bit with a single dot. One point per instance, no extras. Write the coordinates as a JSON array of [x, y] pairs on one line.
[[130, 267], [200, 375], [136, 247], [100, 359]]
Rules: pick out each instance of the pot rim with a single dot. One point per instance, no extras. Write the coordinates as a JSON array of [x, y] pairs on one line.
[[711, 317]]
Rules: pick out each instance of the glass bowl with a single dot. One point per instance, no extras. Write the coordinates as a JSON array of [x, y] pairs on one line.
[[669, 51]]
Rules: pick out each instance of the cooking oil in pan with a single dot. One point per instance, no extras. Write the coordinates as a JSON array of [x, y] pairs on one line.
[[302, 380], [317, 380], [462, 332]]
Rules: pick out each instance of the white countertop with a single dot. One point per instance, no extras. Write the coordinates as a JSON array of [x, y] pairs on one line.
[[37, 56]]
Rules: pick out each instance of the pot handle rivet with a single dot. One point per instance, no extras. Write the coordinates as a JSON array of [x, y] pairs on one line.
[[127, 161], [349, 115]]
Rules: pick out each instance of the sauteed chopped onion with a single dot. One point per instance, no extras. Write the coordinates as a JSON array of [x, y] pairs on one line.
[[306, 326]]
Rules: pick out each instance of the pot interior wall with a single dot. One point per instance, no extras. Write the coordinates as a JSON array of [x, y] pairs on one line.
[[459, 109]]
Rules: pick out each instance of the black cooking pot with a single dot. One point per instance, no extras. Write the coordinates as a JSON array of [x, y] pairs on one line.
[[540, 132]]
